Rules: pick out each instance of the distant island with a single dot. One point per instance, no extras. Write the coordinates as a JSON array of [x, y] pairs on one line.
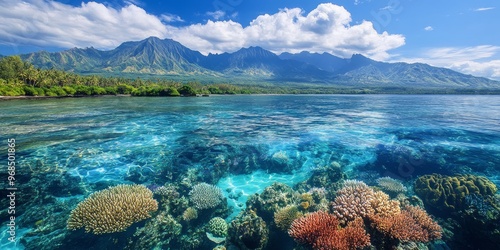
[[156, 67]]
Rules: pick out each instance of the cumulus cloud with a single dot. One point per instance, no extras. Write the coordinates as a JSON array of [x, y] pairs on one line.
[[49, 23], [480, 60], [428, 28], [327, 28]]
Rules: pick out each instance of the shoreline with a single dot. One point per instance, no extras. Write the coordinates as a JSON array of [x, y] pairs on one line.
[[24, 97], [27, 97]]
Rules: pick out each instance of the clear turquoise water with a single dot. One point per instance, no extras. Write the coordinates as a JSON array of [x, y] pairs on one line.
[[110, 140]]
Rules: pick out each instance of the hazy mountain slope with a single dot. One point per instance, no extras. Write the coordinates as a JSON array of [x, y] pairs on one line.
[[168, 57]]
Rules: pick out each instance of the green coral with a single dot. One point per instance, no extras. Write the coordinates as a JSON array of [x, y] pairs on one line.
[[285, 216], [218, 227], [159, 233], [447, 193], [249, 231], [272, 199]]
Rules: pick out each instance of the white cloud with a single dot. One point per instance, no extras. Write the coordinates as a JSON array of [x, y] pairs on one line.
[[217, 15], [356, 2], [49, 23], [428, 28], [327, 28], [490, 69], [484, 9], [170, 18], [134, 2], [483, 60], [215, 37]]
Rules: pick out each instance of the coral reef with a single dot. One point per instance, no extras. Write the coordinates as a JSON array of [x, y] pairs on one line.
[[321, 231], [113, 209], [447, 193], [383, 206], [205, 196], [249, 231], [352, 201], [327, 177], [190, 214], [412, 224], [217, 229], [391, 185], [272, 199], [158, 233], [284, 217]]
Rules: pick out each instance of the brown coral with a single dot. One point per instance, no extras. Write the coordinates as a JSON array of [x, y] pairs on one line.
[[113, 209]]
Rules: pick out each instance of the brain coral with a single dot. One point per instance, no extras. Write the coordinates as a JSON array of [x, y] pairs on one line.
[[447, 193], [217, 226], [113, 209]]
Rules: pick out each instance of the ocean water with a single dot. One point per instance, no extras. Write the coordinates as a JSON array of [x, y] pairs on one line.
[[69, 148]]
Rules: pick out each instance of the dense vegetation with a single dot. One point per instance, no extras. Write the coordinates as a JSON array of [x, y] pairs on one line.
[[21, 78], [18, 78]]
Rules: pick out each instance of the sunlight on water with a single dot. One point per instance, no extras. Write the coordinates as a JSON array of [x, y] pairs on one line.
[[243, 144]]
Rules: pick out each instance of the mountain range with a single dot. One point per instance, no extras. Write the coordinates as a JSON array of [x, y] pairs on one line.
[[166, 57]]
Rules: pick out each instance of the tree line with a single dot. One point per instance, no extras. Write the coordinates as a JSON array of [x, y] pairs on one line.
[[19, 78]]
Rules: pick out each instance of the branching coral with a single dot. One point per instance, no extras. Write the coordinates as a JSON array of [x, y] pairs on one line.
[[412, 224], [356, 199], [321, 231], [306, 230], [113, 209], [353, 236], [205, 196], [383, 206], [352, 201]]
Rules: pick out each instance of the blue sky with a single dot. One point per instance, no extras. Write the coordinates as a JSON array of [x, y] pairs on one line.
[[462, 35]]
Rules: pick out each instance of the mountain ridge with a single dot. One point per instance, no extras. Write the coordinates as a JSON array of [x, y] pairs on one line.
[[166, 57]]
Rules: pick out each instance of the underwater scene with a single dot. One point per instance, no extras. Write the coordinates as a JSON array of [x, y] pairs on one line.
[[251, 172]]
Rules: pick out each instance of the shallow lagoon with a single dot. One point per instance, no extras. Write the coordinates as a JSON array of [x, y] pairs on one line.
[[242, 144]]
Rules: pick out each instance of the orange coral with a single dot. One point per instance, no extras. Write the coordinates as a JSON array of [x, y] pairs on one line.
[[353, 236], [412, 224], [307, 229], [321, 231], [431, 228]]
